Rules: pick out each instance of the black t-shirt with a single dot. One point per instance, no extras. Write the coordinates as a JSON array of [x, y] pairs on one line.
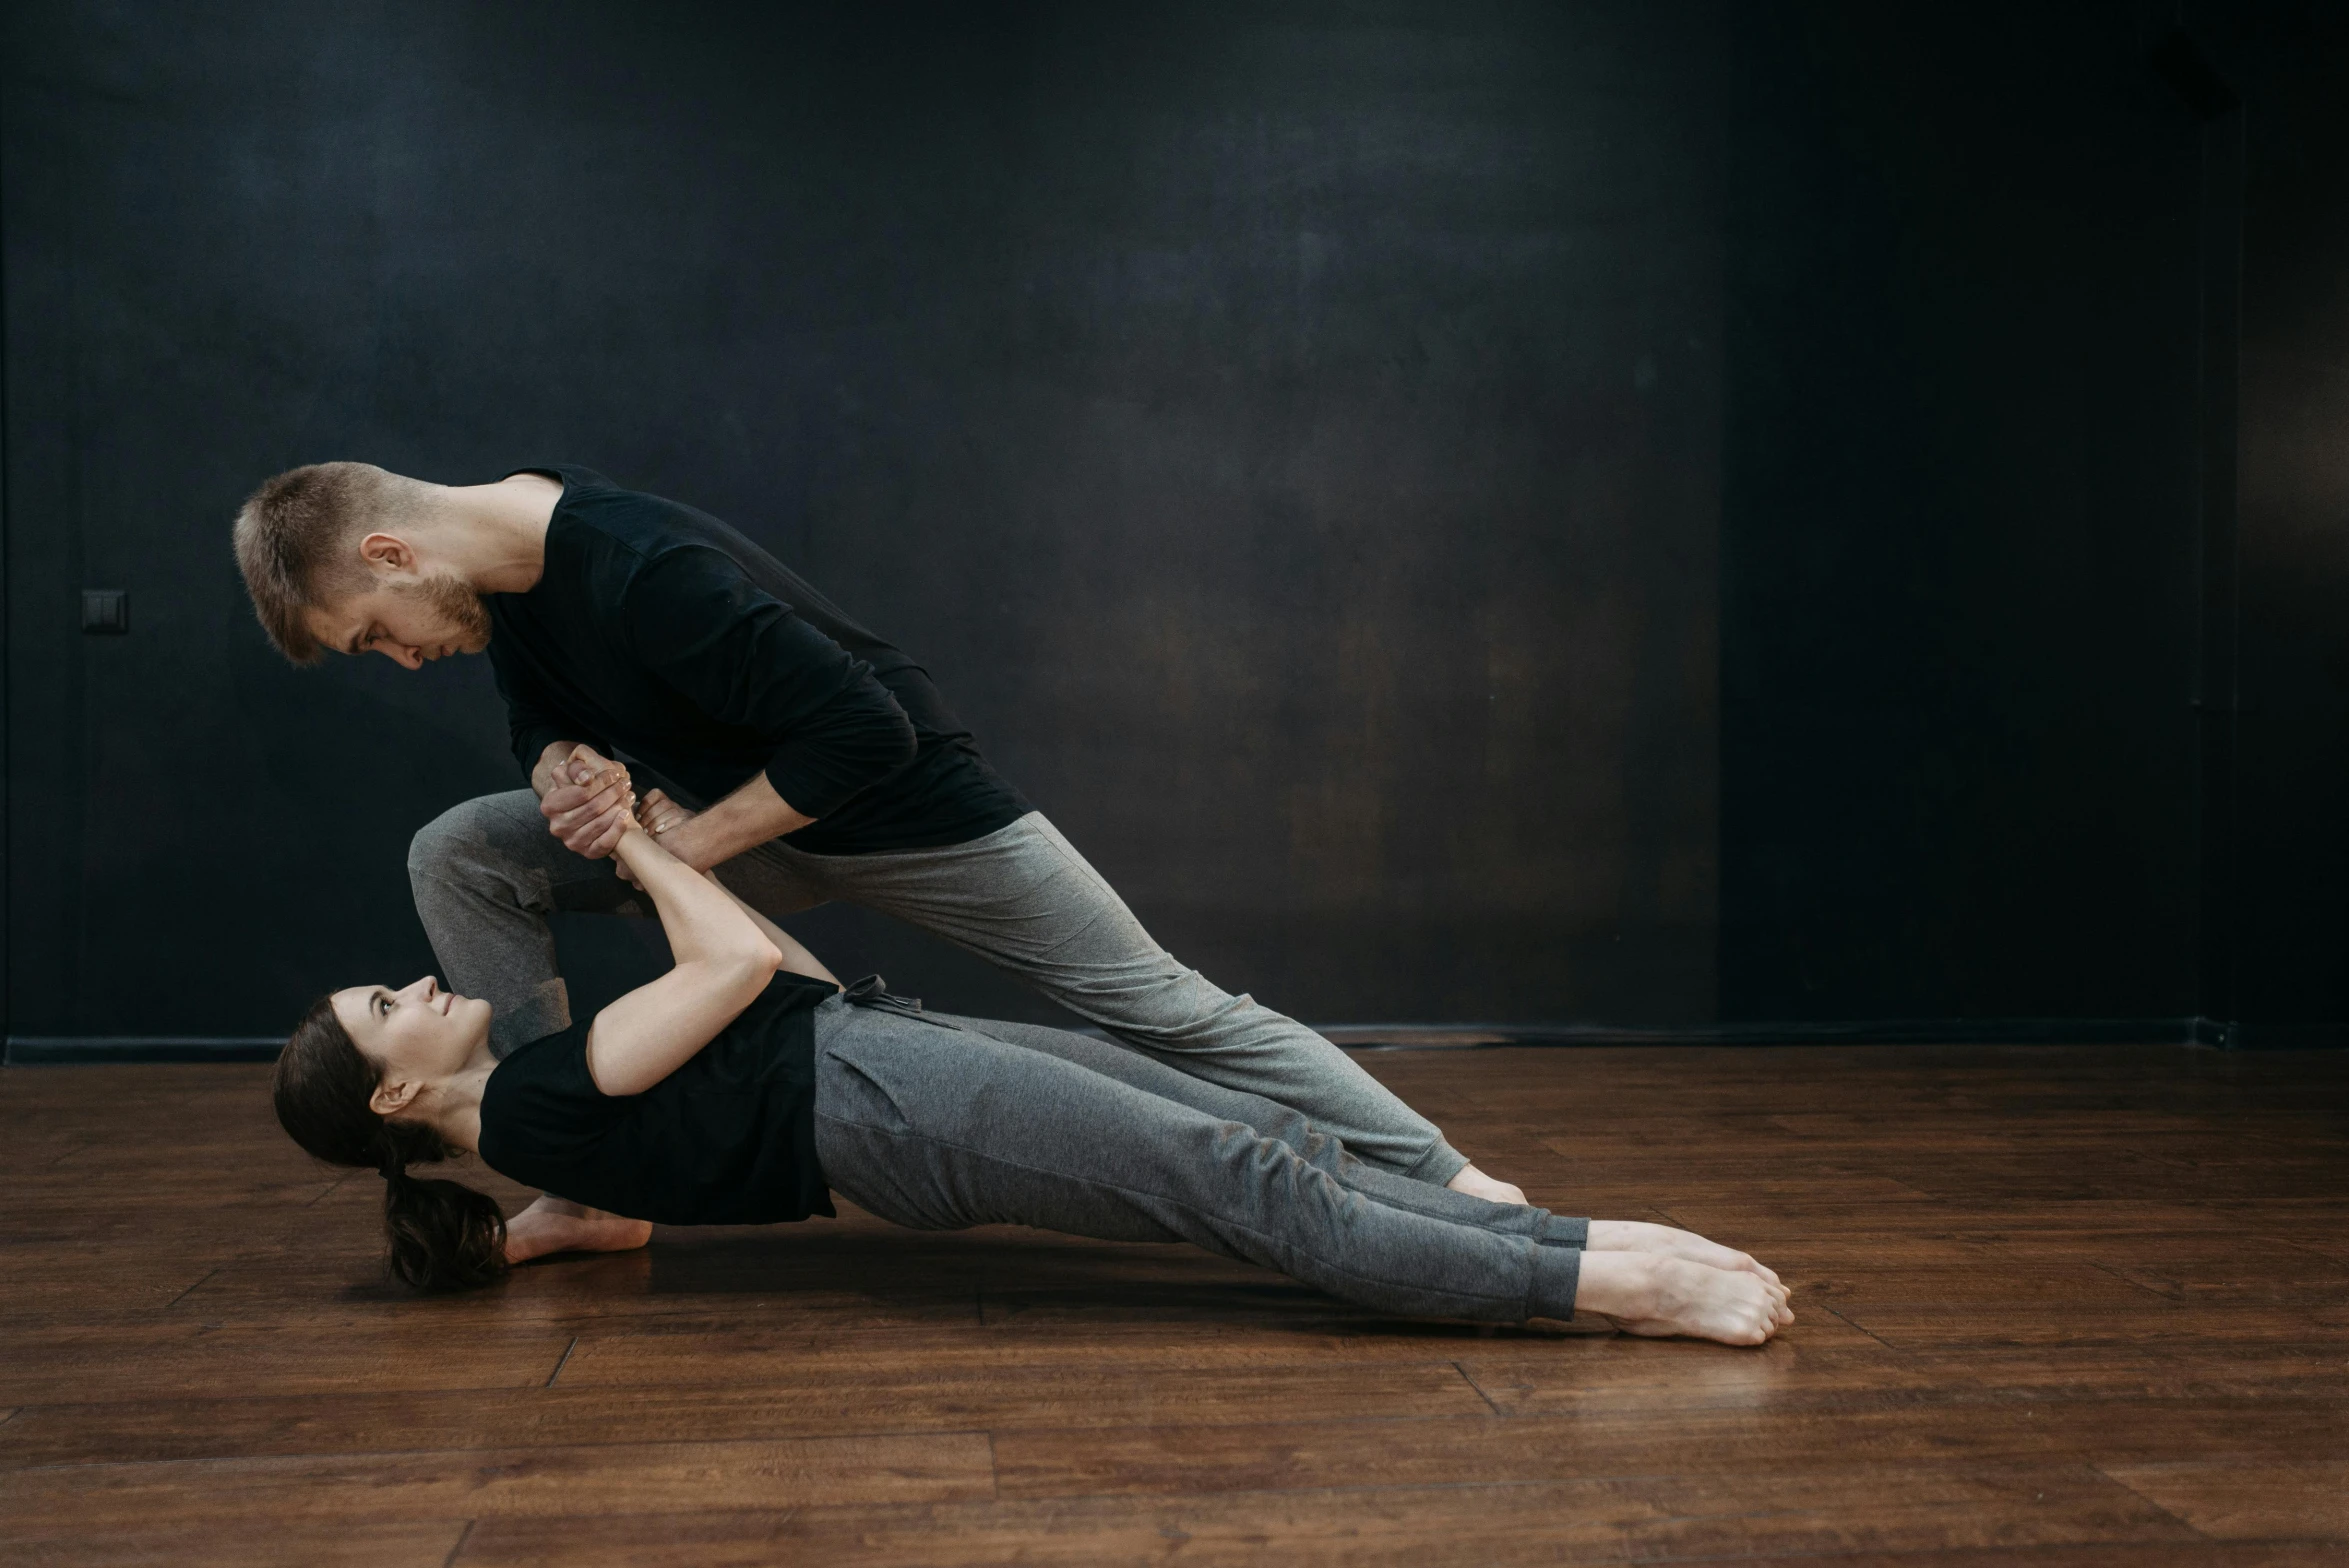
[[726, 1139], [658, 632]]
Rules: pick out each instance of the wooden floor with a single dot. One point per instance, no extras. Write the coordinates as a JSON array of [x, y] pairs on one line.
[[2058, 1306]]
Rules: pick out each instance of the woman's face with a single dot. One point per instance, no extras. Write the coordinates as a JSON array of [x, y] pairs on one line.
[[420, 1032]]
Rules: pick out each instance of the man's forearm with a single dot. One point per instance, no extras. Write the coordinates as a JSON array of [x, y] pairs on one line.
[[751, 815]]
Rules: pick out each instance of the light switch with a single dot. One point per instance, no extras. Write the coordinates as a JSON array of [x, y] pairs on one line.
[[106, 612]]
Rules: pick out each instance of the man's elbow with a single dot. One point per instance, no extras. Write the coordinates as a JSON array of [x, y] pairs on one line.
[[904, 743], [881, 744], [857, 745]]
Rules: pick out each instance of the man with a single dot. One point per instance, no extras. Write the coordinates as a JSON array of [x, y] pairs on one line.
[[799, 755]]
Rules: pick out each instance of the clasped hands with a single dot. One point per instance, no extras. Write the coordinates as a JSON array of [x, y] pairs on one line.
[[591, 800]]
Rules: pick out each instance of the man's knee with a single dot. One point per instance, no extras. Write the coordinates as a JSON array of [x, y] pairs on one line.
[[469, 837], [1186, 1011]]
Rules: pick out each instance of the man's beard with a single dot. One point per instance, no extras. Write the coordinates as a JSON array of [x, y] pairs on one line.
[[454, 601]]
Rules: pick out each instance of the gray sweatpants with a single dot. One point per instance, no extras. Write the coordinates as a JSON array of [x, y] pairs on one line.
[[940, 1123], [487, 874]]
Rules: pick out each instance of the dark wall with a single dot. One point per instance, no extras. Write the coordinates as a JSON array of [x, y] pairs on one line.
[[1602, 512], [1288, 432], [1959, 571], [2036, 525], [2290, 962]]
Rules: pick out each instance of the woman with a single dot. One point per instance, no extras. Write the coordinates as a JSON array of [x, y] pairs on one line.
[[745, 1084]]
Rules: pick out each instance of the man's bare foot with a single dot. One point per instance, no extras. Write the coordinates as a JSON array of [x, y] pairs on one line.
[[1665, 1241], [1646, 1294], [555, 1225], [1477, 1184]]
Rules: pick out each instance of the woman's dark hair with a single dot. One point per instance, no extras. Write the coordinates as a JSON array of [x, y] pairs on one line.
[[444, 1235]]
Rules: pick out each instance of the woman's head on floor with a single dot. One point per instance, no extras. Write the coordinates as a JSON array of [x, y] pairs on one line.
[[359, 1084]]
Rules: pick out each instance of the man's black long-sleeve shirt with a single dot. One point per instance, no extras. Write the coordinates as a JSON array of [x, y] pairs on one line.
[[658, 632]]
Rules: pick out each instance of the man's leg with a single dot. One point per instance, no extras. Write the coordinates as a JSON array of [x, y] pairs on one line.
[[1026, 901], [486, 875]]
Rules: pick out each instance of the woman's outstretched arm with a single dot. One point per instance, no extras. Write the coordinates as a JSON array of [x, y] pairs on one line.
[[723, 962]]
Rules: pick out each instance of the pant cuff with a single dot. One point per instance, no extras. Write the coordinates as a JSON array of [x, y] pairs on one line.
[[1439, 1164], [1557, 1274], [1559, 1231]]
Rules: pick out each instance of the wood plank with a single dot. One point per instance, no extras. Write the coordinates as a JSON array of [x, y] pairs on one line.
[[619, 1478], [820, 1401], [1793, 1373], [76, 1365], [1577, 1521], [1029, 1341], [366, 1543], [1273, 1456], [2135, 1554], [2277, 1498], [1927, 1325]]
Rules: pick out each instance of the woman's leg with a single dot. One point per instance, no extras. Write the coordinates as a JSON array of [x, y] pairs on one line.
[[1317, 1148], [942, 1129], [1145, 1072]]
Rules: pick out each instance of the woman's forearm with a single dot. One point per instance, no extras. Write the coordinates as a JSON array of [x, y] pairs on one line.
[[723, 963], [702, 920]]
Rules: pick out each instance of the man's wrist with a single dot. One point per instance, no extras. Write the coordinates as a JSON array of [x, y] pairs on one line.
[[684, 842]]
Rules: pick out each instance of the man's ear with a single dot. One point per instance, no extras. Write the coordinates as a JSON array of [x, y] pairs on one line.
[[393, 1096], [388, 553]]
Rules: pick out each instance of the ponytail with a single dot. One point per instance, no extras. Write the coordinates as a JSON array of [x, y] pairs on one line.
[[444, 1235]]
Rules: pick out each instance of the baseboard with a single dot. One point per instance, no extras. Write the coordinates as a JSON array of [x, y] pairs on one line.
[[69, 1050], [2288, 1037], [1840, 1031]]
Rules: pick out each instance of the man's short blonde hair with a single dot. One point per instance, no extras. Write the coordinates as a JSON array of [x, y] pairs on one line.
[[294, 540]]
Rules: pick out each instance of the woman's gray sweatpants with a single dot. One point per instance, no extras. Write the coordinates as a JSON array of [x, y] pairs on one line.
[[487, 874], [940, 1123]]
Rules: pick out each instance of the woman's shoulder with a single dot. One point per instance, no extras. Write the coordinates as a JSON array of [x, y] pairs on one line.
[[553, 1063], [541, 1097]]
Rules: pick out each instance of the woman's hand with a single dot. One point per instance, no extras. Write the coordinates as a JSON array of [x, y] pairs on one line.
[[655, 815], [589, 803]]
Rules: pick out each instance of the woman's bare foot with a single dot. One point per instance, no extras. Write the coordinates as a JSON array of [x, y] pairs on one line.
[[1646, 1294], [555, 1225], [1477, 1184], [1665, 1241]]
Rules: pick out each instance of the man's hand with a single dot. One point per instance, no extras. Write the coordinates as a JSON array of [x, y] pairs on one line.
[[659, 813], [588, 802]]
